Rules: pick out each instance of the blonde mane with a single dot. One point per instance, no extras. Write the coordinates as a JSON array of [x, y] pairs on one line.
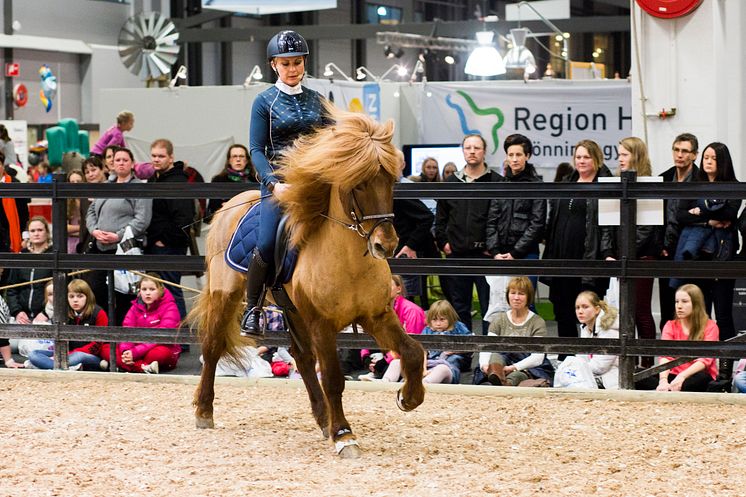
[[350, 151]]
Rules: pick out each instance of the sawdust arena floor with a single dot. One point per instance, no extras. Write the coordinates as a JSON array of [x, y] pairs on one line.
[[85, 435]]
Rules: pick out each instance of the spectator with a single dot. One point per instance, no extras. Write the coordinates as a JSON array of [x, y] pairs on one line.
[[448, 170], [515, 227], [413, 223], [27, 301], [633, 156], [460, 230], [693, 324], [572, 220], [238, 169], [83, 311], [7, 147], [73, 213], [109, 159], [564, 169], [114, 135], [154, 307], [429, 173], [107, 220], [713, 219], [5, 351], [599, 320], [512, 368], [14, 216], [93, 170], [440, 366], [43, 173], [684, 148], [168, 233], [412, 318]]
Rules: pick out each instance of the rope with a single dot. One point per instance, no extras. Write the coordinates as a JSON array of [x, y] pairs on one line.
[[41, 280], [138, 273]]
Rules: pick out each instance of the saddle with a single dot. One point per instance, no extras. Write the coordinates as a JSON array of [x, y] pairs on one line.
[[243, 241]]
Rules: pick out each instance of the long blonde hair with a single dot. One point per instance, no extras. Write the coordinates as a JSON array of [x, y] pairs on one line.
[[698, 319], [639, 160], [610, 312]]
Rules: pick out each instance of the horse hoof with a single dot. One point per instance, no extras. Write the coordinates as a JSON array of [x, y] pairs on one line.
[[325, 433], [204, 423], [400, 402], [351, 452]]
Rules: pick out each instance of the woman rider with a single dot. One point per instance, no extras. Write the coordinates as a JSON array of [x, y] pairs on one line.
[[279, 115]]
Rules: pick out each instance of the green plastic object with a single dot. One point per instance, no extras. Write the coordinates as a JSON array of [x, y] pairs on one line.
[[70, 125], [84, 144], [56, 145]]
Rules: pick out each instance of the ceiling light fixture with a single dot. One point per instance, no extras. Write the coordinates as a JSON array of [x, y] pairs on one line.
[[485, 60]]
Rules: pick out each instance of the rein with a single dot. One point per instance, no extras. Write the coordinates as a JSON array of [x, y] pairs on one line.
[[357, 221]]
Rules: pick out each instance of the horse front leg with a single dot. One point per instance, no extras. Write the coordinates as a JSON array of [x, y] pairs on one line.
[[333, 383], [389, 334], [305, 361]]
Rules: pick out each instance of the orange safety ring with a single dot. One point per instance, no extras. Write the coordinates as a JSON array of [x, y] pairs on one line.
[[20, 95]]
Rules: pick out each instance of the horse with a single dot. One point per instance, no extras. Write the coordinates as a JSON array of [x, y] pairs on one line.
[[339, 207]]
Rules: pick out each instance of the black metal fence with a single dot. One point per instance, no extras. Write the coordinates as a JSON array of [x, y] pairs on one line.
[[626, 268]]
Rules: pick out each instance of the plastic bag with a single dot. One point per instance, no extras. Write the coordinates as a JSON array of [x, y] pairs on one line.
[[125, 281], [498, 303], [612, 294], [27, 345], [574, 372]]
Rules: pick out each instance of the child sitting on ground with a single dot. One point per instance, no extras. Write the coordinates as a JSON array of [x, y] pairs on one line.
[[154, 307], [440, 366]]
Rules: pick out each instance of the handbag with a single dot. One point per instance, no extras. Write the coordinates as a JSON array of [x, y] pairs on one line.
[[126, 281]]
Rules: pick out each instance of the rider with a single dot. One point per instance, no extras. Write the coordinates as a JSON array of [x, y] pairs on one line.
[[279, 115]]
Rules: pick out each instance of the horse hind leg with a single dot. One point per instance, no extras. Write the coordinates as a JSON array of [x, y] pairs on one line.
[[216, 316], [389, 334]]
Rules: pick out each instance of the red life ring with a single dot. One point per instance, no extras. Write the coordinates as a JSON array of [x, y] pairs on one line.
[[20, 95], [669, 9]]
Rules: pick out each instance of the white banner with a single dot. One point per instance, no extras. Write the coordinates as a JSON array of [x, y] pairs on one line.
[[554, 115], [352, 96]]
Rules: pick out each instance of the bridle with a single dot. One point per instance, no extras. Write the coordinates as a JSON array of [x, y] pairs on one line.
[[358, 220]]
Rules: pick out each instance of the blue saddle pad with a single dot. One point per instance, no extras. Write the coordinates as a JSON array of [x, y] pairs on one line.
[[239, 252]]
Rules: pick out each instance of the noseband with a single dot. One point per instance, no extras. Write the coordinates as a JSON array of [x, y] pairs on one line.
[[358, 220]]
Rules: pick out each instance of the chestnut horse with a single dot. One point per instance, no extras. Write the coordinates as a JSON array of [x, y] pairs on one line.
[[339, 208]]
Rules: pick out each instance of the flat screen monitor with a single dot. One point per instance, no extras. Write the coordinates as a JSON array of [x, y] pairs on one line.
[[442, 152]]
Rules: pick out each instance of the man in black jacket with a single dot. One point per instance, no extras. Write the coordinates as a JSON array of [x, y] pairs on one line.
[[683, 170], [460, 230], [168, 233]]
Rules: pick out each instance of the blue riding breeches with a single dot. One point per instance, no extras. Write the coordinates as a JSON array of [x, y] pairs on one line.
[[270, 215]]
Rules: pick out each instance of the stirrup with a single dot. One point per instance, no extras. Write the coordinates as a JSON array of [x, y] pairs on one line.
[[254, 331]]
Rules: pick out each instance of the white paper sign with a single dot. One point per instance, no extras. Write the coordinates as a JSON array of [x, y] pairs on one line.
[[649, 211]]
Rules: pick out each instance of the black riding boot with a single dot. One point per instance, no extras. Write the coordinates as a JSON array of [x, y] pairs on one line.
[[255, 279]]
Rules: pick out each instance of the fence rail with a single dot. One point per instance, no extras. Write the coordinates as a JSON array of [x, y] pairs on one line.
[[626, 268]]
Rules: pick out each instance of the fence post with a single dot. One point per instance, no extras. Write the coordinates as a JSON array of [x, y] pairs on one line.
[[59, 245], [112, 318], [627, 251]]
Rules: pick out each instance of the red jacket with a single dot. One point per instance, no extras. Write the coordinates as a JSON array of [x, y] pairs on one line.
[[99, 318], [163, 313]]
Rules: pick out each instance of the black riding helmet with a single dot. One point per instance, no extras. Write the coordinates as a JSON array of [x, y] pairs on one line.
[[286, 44]]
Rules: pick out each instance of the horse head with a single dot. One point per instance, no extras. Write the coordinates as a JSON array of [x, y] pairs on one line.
[[343, 173]]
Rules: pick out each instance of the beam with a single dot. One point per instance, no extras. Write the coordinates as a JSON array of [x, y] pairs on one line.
[[200, 19], [622, 4], [596, 24]]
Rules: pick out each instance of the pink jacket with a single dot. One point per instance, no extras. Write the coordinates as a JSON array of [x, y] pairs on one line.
[[673, 331], [113, 136], [163, 313], [411, 315]]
